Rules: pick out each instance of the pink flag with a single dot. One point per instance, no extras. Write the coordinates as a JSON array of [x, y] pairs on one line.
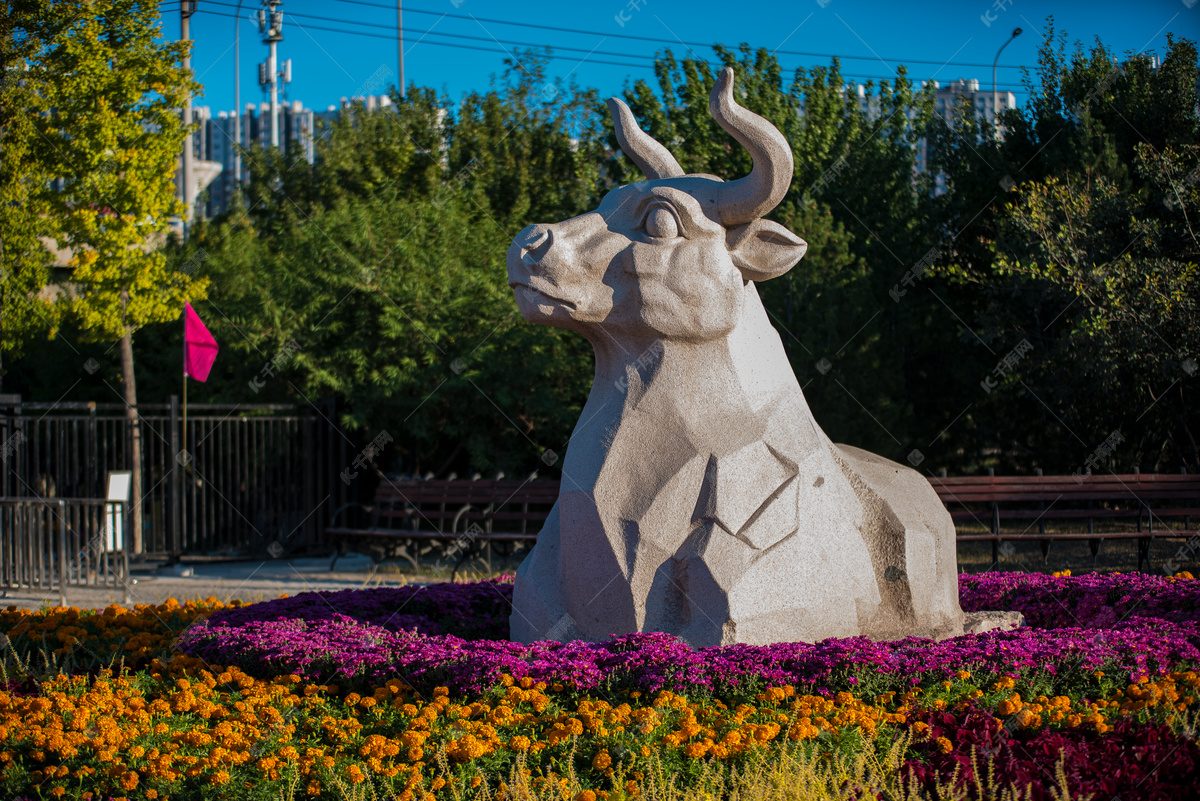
[[199, 347]]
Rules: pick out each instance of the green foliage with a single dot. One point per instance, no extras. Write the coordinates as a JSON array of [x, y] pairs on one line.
[[1091, 259], [112, 140], [1072, 227], [533, 146], [24, 206], [395, 291]]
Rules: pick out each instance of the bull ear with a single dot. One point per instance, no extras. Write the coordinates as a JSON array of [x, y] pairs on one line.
[[762, 249]]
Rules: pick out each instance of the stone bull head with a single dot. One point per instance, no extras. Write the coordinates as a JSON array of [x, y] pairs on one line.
[[699, 497]]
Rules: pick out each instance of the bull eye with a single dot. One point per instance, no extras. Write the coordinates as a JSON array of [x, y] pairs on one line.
[[661, 223]]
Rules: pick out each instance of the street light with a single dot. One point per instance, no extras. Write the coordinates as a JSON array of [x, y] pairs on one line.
[[995, 96]]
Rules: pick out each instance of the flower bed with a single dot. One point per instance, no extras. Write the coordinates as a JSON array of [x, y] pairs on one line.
[[414, 692], [339, 643]]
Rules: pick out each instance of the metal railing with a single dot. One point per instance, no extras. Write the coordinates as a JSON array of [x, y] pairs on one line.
[[241, 478], [54, 543]]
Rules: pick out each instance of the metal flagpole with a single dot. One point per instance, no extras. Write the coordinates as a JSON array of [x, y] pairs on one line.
[[183, 463]]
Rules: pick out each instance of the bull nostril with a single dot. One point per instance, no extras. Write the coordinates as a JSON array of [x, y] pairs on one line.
[[534, 237]]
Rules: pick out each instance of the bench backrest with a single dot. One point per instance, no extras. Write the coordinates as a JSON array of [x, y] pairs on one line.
[[452, 505], [521, 505], [1135, 488]]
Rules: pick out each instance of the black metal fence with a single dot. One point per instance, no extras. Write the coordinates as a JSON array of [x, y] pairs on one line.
[[242, 478], [54, 543]]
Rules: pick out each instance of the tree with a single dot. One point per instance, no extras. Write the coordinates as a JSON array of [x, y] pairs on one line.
[[112, 138], [24, 203], [1131, 262], [384, 263], [533, 145], [1070, 241]]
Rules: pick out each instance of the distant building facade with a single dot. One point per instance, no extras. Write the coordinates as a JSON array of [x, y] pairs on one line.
[[981, 101], [215, 139]]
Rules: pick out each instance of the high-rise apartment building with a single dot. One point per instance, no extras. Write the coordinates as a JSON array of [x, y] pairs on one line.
[[217, 135]]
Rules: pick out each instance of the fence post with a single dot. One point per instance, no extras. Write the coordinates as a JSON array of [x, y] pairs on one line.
[[62, 553], [310, 468], [93, 455], [9, 484], [175, 490], [125, 552]]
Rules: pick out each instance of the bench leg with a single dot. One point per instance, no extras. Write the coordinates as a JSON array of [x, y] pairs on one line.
[[1143, 552], [1045, 551], [412, 560], [466, 554], [337, 554], [995, 553], [1094, 547]]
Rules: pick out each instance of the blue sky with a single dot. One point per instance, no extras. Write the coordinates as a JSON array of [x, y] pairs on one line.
[[872, 38]]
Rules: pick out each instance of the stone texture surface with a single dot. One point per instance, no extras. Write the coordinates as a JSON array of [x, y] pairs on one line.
[[979, 622], [699, 497]]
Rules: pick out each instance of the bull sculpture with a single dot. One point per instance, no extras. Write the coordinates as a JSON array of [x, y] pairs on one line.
[[699, 496]]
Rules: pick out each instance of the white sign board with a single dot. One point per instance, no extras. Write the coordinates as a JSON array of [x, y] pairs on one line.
[[114, 525], [118, 485]]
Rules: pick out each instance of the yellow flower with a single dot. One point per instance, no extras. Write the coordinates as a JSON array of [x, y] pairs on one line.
[[602, 761], [945, 745]]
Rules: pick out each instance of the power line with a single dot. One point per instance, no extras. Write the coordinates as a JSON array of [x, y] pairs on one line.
[[550, 56], [439, 44], [673, 41]]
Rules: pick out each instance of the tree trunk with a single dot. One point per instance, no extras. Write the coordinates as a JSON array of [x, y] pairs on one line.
[[135, 442]]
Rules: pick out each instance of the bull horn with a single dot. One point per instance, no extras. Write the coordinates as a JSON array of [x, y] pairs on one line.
[[654, 160], [749, 198]]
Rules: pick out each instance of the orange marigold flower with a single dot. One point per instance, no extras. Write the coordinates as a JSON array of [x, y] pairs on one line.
[[945, 745], [586, 795], [602, 761]]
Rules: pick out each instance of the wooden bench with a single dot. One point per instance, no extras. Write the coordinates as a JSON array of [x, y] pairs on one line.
[[463, 517], [1161, 504], [412, 518]]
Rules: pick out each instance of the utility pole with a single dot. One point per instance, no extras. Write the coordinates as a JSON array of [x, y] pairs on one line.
[[186, 9], [237, 97], [270, 25], [400, 45]]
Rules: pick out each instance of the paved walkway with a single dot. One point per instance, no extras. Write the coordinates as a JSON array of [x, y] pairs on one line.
[[249, 581]]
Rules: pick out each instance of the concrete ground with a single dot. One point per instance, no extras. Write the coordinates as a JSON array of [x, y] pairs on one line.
[[260, 580], [247, 580]]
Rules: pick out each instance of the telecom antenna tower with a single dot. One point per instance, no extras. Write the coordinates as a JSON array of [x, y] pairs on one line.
[[270, 25]]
